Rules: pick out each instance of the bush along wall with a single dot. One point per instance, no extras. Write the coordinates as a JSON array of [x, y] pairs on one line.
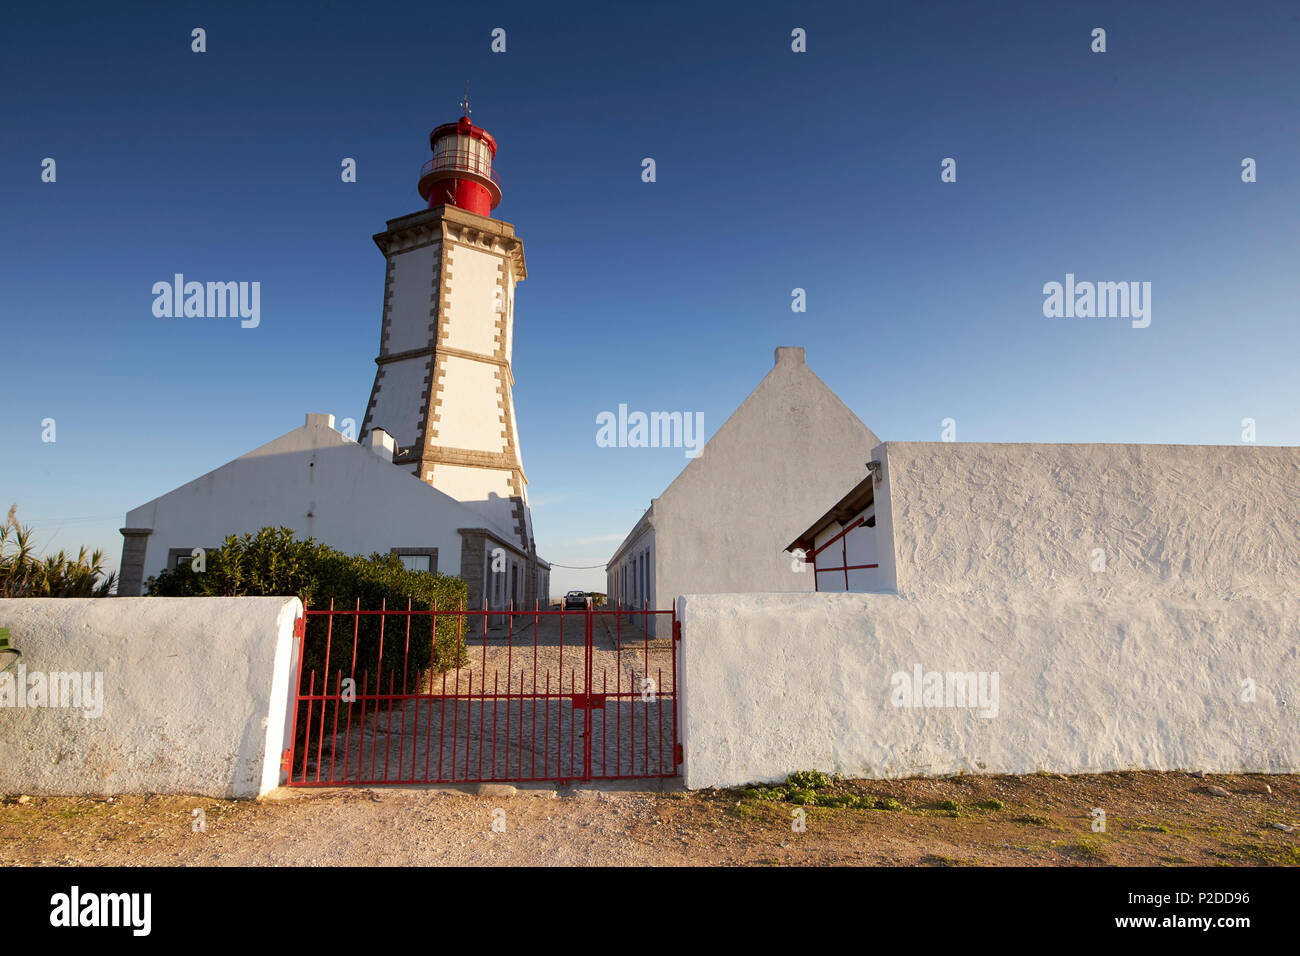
[[273, 562]]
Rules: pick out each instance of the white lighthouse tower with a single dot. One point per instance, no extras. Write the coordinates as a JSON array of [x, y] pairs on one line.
[[444, 385]]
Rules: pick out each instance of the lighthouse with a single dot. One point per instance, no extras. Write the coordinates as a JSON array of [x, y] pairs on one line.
[[444, 385]]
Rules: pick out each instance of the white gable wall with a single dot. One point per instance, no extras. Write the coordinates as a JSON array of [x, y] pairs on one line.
[[724, 523]]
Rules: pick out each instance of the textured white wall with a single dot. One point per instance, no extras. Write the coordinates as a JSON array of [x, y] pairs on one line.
[[1184, 520], [196, 695], [773, 683]]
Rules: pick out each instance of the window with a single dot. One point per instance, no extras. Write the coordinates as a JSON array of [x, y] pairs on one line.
[[418, 559], [182, 557]]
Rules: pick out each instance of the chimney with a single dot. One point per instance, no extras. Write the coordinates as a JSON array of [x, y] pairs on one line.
[[382, 444], [319, 420], [790, 353]]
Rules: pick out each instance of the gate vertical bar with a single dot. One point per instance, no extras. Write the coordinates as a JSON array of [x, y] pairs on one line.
[[297, 693], [675, 645], [586, 691]]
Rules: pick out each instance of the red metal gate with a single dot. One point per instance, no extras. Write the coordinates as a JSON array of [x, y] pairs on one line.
[[484, 695]]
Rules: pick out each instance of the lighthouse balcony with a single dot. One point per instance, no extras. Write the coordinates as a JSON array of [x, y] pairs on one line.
[[459, 164]]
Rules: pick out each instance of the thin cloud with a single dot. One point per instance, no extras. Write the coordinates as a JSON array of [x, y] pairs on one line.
[[602, 539]]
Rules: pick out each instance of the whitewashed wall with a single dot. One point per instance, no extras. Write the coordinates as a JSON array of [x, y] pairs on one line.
[[773, 683], [318, 483], [196, 695], [1184, 520]]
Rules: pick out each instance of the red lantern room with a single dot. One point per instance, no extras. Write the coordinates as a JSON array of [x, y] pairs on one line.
[[460, 173]]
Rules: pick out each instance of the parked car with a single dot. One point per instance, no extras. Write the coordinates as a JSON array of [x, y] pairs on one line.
[[575, 599]]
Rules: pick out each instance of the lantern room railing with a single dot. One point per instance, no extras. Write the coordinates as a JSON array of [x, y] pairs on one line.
[[460, 160]]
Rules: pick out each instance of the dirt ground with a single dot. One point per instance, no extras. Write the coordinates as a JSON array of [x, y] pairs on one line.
[[1152, 819]]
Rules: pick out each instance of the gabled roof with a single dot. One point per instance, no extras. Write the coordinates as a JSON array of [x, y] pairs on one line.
[[769, 422], [789, 361], [318, 433]]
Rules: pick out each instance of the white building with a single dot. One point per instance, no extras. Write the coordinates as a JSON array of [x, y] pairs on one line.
[[723, 523], [443, 391], [322, 485]]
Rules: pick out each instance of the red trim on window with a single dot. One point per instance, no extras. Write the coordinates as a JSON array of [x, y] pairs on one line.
[[847, 529]]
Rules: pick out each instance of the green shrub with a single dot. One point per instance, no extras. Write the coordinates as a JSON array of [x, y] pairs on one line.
[[837, 800], [803, 797], [272, 562], [1037, 819], [887, 803], [766, 793], [1089, 849], [808, 780]]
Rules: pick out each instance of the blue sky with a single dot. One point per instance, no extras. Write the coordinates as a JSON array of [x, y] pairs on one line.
[[775, 170]]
